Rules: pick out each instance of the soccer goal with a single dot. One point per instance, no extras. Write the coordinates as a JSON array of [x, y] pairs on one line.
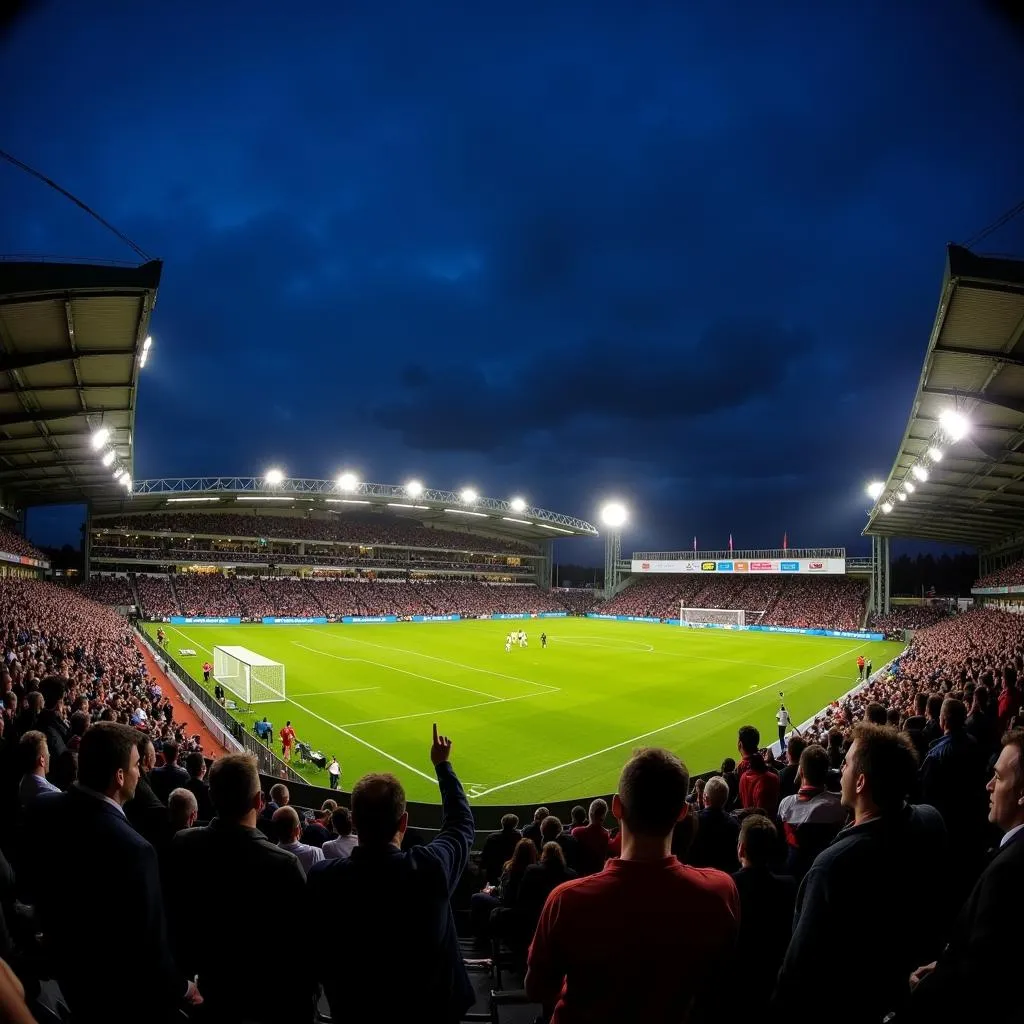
[[724, 618], [249, 675]]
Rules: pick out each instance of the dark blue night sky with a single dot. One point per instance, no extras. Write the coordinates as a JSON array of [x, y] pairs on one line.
[[684, 254]]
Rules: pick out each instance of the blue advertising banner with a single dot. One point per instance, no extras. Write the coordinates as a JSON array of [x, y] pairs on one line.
[[369, 618], [188, 620], [622, 618], [844, 634], [272, 620], [436, 618], [510, 615], [552, 615]]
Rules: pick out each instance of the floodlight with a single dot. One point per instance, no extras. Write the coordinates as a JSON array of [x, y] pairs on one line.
[[119, 472], [146, 344], [901, 496], [348, 482], [955, 425], [920, 472], [273, 477], [108, 457], [126, 482], [468, 495], [887, 507], [935, 454], [875, 489], [517, 505], [614, 514], [414, 488], [910, 488], [99, 438]]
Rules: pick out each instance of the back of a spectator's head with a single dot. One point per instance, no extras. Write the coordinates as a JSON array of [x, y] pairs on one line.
[[814, 766], [550, 829], [170, 752], [509, 822], [981, 696], [552, 852], [540, 814], [796, 746], [953, 715], [758, 840], [235, 787], [378, 809], [279, 794], [876, 714], [716, 792], [52, 688], [934, 706], [286, 824], [748, 739], [33, 752], [341, 819], [921, 702], [79, 723], [728, 765], [182, 809], [195, 764], [329, 806], [652, 793], [578, 815], [108, 759], [598, 811], [881, 768], [892, 717]]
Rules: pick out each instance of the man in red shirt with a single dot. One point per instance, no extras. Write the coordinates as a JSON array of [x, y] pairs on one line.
[[646, 937], [593, 838], [759, 785], [287, 741]]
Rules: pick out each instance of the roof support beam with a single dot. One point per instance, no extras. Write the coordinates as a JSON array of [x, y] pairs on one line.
[[38, 416], [1002, 401], [94, 386], [989, 357], [42, 357]]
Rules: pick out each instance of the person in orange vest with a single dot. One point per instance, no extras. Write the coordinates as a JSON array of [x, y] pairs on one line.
[[208, 668], [860, 666]]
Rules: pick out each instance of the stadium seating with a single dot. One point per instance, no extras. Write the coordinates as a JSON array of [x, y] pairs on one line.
[[156, 595], [904, 617], [14, 544], [112, 590], [1009, 576]]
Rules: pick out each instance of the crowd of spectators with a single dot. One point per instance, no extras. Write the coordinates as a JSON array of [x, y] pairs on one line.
[[156, 596], [206, 593], [15, 544], [366, 530], [821, 602], [910, 616], [112, 590], [1008, 576]]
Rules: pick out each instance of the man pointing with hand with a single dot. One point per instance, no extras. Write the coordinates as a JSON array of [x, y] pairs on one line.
[[397, 919]]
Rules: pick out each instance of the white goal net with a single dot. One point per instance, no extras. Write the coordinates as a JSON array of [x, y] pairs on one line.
[[249, 675], [727, 618]]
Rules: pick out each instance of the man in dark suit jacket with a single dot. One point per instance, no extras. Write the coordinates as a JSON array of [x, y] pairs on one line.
[[110, 951], [978, 969], [888, 842], [395, 906], [498, 848], [145, 810], [195, 765], [229, 871], [169, 776], [718, 831]]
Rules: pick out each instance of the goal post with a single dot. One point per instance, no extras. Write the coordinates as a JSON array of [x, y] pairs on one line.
[[722, 618], [248, 675]]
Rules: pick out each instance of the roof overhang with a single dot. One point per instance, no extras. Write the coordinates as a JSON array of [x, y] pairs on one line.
[[71, 338], [974, 365]]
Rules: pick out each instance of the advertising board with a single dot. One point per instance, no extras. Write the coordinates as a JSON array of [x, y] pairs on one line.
[[803, 566]]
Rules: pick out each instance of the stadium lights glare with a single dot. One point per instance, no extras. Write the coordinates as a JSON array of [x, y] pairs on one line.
[[887, 507], [875, 489], [558, 529], [901, 496], [108, 457], [614, 514], [119, 472], [910, 488], [935, 454], [249, 497], [920, 472], [142, 361], [517, 505], [99, 438], [955, 425], [466, 512], [169, 500], [274, 477], [348, 482], [126, 482], [147, 343], [399, 504], [522, 522], [468, 495], [414, 488]]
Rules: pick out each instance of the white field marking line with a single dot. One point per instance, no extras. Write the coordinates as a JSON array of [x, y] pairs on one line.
[[394, 668], [353, 736], [320, 693], [665, 728], [432, 657]]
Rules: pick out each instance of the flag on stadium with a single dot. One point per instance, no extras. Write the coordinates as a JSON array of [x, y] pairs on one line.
[[785, 541], [931, 591], [695, 545], [730, 542]]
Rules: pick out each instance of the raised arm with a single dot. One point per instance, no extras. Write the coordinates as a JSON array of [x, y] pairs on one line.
[[451, 846]]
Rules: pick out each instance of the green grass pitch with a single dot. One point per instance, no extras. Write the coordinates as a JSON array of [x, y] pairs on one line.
[[531, 725]]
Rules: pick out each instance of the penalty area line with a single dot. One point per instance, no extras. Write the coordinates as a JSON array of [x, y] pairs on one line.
[[665, 728], [324, 693]]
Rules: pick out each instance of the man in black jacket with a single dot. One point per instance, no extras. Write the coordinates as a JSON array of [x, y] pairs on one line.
[[887, 843], [396, 907], [228, 871], [170, 775], [51, 722], [498, 847], [195, 765], [109, 948], [978, 970]]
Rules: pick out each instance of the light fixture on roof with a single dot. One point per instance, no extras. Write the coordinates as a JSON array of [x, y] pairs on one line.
[[901, 496], [517, 505], [468, 495], [875, 489], [887, 507], [147, 344], [920, 472], [347, 481], [99, 438], [273, 477], [614, 514], [414, 488], [909, 487], [108, 457], [126, 482], [118, 472], [935, 454], [954, 425]]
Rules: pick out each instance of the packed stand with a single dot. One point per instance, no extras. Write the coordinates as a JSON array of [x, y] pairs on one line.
[[156, 595], [206, 594], [904, 617], [576, 601], [367, 531], [14, 544], [113, 590], [1008, 576]]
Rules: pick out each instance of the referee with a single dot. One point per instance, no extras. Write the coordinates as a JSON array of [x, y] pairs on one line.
[[783, 719]]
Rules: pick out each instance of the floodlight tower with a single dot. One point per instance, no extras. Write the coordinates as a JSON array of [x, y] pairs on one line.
[[613, 516]]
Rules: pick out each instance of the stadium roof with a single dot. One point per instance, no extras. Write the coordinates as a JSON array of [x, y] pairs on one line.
[[70, 340], [974, 366], [245, 494]]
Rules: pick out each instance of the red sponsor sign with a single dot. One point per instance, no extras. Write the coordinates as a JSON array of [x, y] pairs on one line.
[[760, 566], [645, 566], [816, 566]]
